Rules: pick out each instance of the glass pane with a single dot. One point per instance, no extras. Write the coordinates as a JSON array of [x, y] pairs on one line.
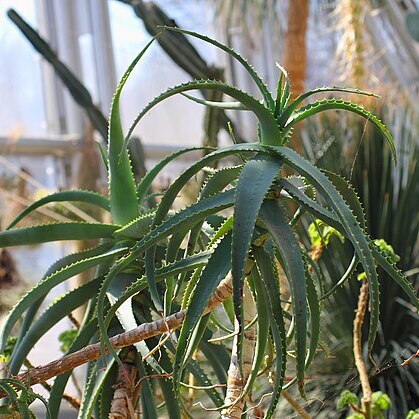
[[176, 122], [20, 82]]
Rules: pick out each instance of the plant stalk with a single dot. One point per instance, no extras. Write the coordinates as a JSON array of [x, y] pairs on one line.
[[122, 405], [294, 404], [238, 374], [359, 362]]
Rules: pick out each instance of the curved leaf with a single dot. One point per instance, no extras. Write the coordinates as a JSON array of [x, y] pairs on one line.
[[43, 287], [326, 104], [284, 116], [54, 232], [270, 133], [93, 386], [352, 228], [145, 183], [292, 263], [122, 191], [88, 197], [254, 182], [257, 79], [184, 219], [216, 269], [238, 106], [262, 335], [269, 291], [59, 309]]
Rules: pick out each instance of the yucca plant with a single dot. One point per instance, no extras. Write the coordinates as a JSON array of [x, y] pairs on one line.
[[159, 270]]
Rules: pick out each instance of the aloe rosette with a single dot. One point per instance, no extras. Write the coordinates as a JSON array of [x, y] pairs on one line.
[[154, 261]]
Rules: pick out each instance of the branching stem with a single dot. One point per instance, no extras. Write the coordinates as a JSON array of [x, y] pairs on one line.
[[359, 362], [144, 331]]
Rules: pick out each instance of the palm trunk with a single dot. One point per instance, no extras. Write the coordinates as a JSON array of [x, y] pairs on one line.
[[295, 56], [295, 44]]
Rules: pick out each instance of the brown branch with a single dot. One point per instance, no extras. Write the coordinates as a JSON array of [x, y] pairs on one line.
[[73, 320], [142, 332], [123, 401], [359, 362], [72, 401], [408, 360], [294, 404]]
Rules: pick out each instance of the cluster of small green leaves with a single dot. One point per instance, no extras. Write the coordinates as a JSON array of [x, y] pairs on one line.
[[20, 397], [380, 402], [413, 414], [66, 338], [387, 250], [145, 270], [321, 233]]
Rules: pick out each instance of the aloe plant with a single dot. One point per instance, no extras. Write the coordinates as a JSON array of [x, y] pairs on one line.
[[178, 266]]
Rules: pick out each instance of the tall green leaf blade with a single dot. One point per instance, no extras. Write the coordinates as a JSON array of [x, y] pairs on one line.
[[353, 230], [254, 182], [292, 263], [349, 195], [54, 232], [268, 287], [217, 356], [122, 190], [262, 335], [92, 388], [88, 197], [310, 205], [185, 219], [217, 105], [148, 402], [214, 184], [136, 228], [216, 269], [203, 380]]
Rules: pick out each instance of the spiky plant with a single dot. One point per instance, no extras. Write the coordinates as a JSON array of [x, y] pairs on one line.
[[179, 266], [390, 197]]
